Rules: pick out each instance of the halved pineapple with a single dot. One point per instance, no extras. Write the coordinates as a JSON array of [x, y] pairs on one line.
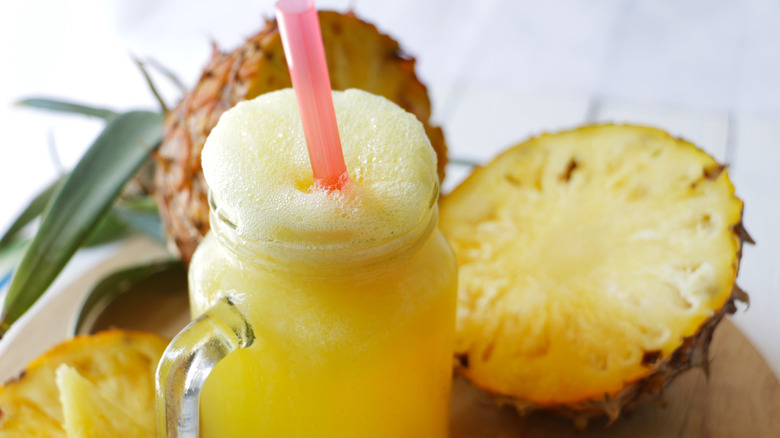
[[594, 266], [358, 56], [115, 365]]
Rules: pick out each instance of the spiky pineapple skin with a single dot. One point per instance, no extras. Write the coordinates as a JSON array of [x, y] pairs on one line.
[[693, 353], [662, 369], [358, 55]]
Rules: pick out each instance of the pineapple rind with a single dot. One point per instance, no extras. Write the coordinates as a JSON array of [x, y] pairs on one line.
[[567, 231]]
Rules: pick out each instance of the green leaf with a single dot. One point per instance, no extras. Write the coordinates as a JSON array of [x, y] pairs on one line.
[[147, 223], [144, 204], [110, 228], [32, 211], [142, 218], [163, 277], [135, 214], [63, 106], [9, 258], [5, 278], [85, 197], [150, 82], [461, 161], [168, 73]]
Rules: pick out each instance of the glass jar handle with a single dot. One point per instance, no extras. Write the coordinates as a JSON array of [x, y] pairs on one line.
[[188, 361]]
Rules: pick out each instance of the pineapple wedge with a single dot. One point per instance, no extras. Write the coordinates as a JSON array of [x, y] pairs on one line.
[[594, 266], [118, 365], [90, 415]]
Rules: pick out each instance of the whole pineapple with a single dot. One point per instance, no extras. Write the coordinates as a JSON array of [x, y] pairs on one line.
[[594, 267], [358, 57]]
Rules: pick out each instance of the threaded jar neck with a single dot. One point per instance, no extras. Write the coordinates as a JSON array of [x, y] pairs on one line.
[[339, 254]]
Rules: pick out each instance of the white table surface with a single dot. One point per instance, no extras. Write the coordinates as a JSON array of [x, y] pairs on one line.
[[498, 71]]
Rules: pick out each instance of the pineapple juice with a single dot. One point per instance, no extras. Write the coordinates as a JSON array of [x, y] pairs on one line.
[[351, 294]]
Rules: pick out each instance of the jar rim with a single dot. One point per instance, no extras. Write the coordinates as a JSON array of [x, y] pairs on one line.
[[340, 253]]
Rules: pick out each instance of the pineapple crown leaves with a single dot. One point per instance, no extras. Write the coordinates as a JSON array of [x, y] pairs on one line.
[[152, 87], [85, 197], [87, 206], [63, 106], [32, 211]]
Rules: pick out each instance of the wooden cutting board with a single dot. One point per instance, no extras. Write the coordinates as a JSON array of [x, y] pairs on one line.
[[740, 399]]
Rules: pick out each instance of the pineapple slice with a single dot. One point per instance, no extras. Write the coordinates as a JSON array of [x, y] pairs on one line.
[[119, 364], [90, 415], [594, 266], [359, 56]]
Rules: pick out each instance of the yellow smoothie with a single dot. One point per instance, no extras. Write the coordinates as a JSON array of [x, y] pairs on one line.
[[351, 294]]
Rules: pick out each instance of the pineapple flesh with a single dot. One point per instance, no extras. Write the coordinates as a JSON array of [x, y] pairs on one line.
[[358, 55], [101, 375], [88, 414], [594, 265]]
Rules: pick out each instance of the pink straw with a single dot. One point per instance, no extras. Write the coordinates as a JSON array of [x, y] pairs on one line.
[[302, 42]]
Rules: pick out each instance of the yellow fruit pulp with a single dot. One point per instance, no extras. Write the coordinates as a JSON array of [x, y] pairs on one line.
[[351, 294], [90, 386], [585, 256], [88, 414]]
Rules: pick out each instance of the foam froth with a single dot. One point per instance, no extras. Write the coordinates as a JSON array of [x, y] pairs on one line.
[[257, 167]]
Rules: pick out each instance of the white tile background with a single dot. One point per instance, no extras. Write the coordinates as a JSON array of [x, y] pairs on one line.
[[498, 71]]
